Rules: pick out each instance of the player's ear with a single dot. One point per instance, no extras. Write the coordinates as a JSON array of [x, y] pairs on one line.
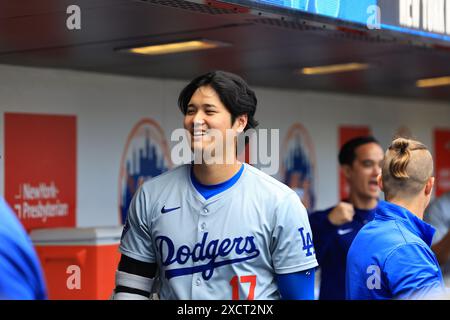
[[346, 169], [380, 182], [240, 123], [429, 186]]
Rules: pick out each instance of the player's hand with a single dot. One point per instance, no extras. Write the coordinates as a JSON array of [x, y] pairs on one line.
[[341, 214]]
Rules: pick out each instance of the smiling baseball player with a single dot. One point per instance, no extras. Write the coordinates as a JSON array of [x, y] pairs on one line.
[[217, 230]]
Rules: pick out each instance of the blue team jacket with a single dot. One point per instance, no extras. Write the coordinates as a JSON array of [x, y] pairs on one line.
[[390, 258], [20, 272], [331, 244]]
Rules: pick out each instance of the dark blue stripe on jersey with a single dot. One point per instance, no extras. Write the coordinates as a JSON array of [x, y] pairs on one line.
[[132, 290], [206, 267], [208, 191]]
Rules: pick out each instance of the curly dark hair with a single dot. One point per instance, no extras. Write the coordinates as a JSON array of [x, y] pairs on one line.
[[233, 92]]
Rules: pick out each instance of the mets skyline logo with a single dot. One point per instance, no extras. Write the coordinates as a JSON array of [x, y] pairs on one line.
[[146, 155], [298, 163]]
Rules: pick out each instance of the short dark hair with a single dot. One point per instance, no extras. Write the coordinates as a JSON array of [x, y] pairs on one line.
[[233, 92], [347, 153]]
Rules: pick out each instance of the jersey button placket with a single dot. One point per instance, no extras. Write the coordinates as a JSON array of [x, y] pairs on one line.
[[201, 223], [196, 279]]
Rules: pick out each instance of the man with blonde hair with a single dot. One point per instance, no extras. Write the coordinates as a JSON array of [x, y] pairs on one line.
[[390, 258]]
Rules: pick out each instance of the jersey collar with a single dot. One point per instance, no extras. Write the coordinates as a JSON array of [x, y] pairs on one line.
[[389, 211], [211, 202]]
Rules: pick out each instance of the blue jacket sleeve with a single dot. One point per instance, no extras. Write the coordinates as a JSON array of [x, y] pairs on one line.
[[297, 286], [20, 273], [412, 272]]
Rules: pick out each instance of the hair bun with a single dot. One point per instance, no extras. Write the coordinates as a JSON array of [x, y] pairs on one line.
[[400, 161], [400, 145], [403, 146]]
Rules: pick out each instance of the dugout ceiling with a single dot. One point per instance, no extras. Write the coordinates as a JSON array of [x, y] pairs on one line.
[[266, 48]]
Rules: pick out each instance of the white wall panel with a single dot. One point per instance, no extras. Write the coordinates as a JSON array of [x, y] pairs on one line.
[[107, 107]]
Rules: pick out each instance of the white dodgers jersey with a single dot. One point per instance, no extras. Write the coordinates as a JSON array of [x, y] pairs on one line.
[[230, 246]]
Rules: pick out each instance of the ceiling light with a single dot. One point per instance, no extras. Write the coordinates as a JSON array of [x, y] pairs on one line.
[[175, 47], [433, 82], [335, 68]]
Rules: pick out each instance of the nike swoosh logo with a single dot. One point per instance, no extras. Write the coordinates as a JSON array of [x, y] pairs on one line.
[[164, 210], [341, 232]]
